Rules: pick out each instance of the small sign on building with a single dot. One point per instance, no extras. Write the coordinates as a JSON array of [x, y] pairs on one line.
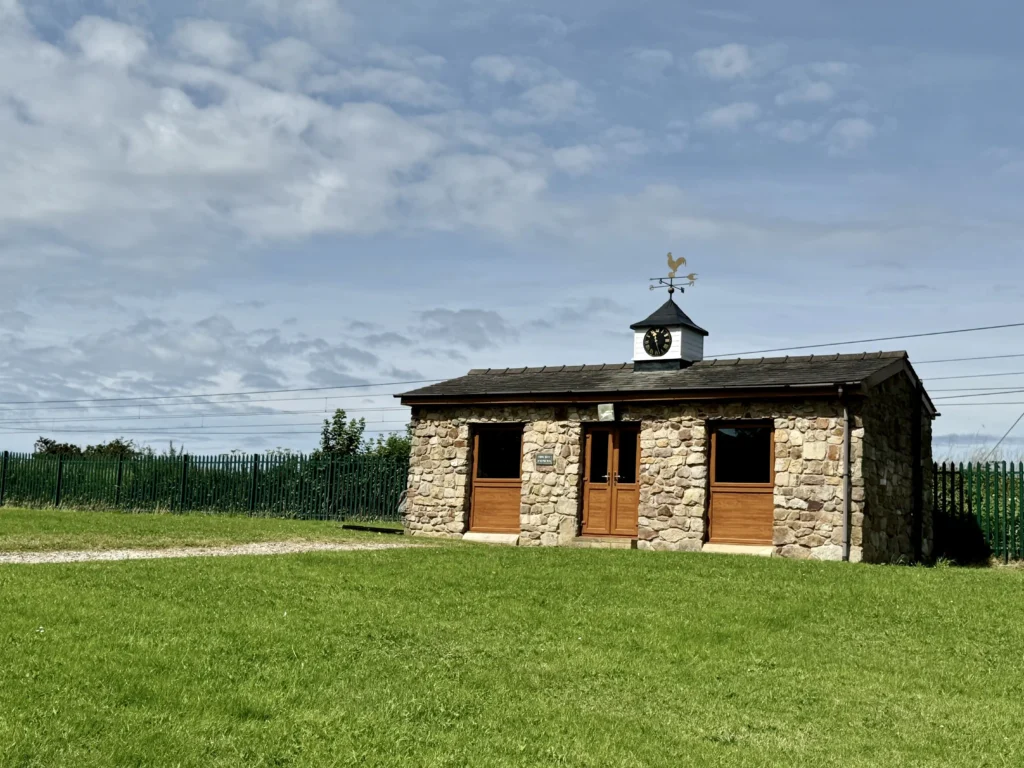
[[606, 412], [545, 460]]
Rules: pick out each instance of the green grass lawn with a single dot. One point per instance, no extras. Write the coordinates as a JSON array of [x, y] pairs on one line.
[[476, 656], [24, 530]]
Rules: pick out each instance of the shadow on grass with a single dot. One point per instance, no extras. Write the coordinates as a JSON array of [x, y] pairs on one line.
[[379, 527], [959, 540]]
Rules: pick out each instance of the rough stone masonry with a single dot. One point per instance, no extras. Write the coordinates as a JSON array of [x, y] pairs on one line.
[[674, 475]]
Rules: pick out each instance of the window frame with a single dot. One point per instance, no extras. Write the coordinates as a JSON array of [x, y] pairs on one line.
[[500, 427], [715, 426]]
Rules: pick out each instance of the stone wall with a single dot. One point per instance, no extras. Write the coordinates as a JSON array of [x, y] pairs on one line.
[[675, 486], [441, 461], [674, 481], [551, 495], [888, 474]]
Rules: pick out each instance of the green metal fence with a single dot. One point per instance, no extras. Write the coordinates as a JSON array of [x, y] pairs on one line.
[[306, 487], [978, 509]]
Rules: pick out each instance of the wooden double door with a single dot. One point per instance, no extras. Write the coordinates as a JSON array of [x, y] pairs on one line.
[[611, 487]]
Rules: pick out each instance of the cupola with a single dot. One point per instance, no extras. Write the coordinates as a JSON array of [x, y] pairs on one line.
[[667, 340]]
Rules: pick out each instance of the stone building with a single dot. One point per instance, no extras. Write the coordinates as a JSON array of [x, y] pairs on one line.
[[821, 456]]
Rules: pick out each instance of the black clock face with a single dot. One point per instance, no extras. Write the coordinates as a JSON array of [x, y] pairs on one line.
[[657, 342]]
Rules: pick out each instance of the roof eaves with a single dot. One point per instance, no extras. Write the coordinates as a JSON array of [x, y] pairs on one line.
[[674, 391], [900, 364]]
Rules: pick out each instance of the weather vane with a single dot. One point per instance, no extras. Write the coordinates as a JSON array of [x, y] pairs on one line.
[[670, 281]]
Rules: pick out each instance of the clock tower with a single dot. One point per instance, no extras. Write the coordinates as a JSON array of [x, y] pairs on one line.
[[667, 340]]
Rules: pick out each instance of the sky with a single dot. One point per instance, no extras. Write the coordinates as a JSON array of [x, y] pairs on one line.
[[214, 196]]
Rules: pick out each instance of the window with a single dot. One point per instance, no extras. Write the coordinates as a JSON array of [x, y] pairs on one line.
[[599, 442], [743, 455], [499, 453], [627, 457]]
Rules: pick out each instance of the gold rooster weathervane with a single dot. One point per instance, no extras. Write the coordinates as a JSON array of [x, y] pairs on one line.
[[670, 281]]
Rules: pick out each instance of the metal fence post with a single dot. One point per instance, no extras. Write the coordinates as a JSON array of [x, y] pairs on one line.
[[255, 480], [329, 499], [1004, 492], [60, 480], [117, 482], [184, 482], [3, 476]]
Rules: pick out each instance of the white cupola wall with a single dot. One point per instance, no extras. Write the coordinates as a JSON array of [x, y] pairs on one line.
[[667, 340]]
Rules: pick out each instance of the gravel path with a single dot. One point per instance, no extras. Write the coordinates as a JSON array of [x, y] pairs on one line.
[[263, 548]]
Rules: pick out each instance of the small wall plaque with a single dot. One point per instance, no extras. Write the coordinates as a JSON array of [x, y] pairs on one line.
[[545, 460], [606, 412]]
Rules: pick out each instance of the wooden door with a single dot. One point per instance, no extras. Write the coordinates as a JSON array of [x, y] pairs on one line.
[[497, 480], [611, 489], [597, 486], [625, 481], [742, 483]]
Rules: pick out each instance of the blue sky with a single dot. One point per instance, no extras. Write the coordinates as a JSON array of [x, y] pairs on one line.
[[221, 196]]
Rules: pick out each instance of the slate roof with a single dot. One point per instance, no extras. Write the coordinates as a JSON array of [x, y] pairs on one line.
[[767, 373], [667, 314]]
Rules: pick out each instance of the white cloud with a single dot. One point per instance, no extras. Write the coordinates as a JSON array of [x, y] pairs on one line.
[[1008, 161], [553, 25], [627, 139], [464, 190], [729, 117], [791, 131], [473, 328], [409, 59], [387, 85], [500, 69], [209, 41], [830, 68], [648, 64], [168, 165], [11, 12], [726, 62], [731, 16], [325, 20], [285, 63], [556, 100], [108, 42], [548, 95], [577, 160], [817, 91], [665, 211], [849, 135]]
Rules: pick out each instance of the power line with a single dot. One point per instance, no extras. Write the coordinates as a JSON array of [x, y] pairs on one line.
[[219, 402], [972, 389], [960, 397], [193, 435], [218, 394], [871, 341], [148, 400], [1001, 439], [966, 359], [964, 405], [208, 414], [975, 376], [154, 430]]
